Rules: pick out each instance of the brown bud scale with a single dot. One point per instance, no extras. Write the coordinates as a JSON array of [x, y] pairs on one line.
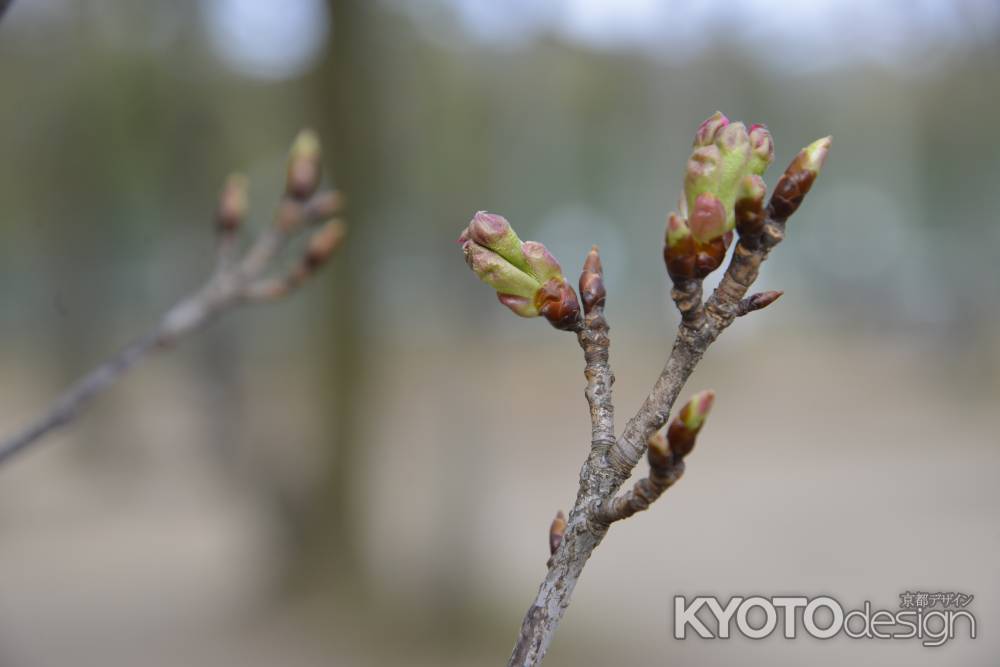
[[592, 291], [556, 301], [790, 191]]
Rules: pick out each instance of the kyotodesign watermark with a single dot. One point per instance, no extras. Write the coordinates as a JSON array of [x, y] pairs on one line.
[[931, 618]]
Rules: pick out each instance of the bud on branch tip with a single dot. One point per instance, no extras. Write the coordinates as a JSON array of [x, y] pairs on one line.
[[303, 165], [798, 178], [526, 276]]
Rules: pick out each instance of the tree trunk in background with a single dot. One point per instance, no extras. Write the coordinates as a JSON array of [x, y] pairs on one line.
[[342, 112]]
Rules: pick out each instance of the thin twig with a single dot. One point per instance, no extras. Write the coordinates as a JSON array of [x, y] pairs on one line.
[[611, 460], [236, 280]]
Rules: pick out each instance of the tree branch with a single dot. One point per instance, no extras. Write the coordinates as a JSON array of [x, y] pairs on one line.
[[612, 460], [236, 280]]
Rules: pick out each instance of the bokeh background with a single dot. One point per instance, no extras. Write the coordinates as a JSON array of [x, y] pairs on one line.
[[364, 474]]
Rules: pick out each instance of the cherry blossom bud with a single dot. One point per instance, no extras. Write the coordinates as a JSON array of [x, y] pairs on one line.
[[679, 252], [708, 218], [303, 166], [798, 179], [710, 128], [232, 203], [683, 430], [715, 169], [526, 276], [540, 261], [323, 242], [501, 275], [761, 149]]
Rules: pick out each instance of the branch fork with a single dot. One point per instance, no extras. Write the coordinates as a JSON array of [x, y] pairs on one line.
[[239, 277], [724, 196]]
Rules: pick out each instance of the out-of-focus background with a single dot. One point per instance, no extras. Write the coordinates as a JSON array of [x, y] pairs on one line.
[[364, 474]]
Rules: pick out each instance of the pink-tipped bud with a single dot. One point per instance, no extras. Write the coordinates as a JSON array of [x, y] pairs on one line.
[[498, 273], [683, 430], [761, 149], [708, 218], [488, 229], [540, 261], [303, 166], [526, 276], [494, 232], [710, 128]]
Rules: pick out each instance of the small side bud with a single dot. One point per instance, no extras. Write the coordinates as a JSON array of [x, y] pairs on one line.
[[556, 531], [679, 252], [710, 128], [757, 301], [683, 430], [592, 291], [303, 165], [798, 178], [232, 203], [323, 242], [324, 205], [761, 149]]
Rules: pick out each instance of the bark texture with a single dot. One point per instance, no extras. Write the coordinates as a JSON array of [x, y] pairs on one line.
[[611, 460]]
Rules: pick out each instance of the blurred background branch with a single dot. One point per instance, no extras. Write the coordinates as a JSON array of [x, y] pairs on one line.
[[236, 280]]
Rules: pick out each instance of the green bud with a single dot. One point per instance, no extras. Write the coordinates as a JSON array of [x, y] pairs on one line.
[[761, 149], [540, 262], [303, 165], [683, 430], [494, 232], [716, 169], [710, 128], [798, 178], [526, 276], [494, 270]]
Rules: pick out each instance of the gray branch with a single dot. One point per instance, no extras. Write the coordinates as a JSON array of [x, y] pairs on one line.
[[611, 460], [236, 280]]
